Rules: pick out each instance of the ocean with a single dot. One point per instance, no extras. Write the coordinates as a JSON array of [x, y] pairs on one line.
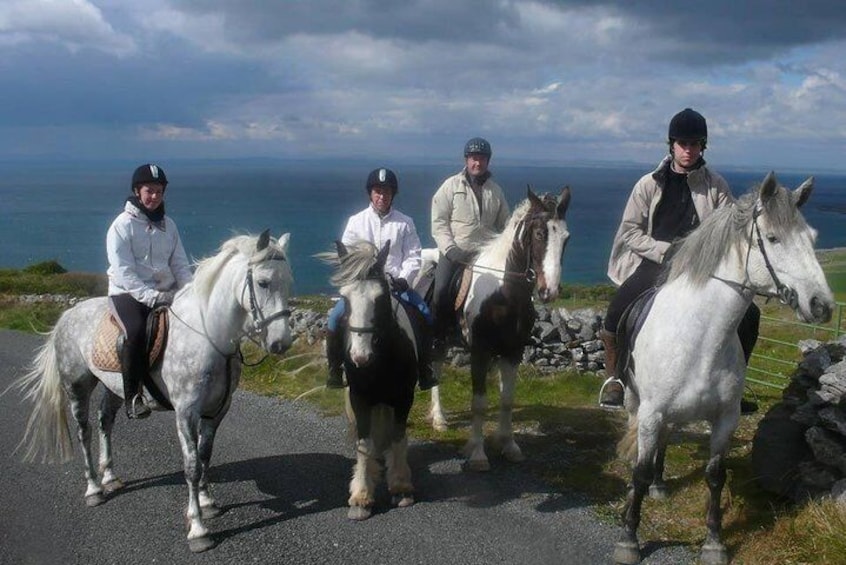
[[61, 211]]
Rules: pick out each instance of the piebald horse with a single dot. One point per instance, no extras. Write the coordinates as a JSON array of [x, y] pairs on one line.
[[498, 314]]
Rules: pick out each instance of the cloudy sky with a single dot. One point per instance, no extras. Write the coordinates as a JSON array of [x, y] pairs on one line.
[[557, 81]]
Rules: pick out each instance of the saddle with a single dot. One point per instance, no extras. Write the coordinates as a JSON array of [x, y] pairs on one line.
[[109, 338], [628, 329]]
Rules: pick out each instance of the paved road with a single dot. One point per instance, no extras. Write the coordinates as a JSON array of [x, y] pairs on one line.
[[281, 474]]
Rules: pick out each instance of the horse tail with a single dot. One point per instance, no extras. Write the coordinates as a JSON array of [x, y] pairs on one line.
[[47, 433], [627, 446]]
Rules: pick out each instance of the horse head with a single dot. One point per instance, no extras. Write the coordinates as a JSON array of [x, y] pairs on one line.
[[781, 260], [364, 286], [543, 237], [266, 291]]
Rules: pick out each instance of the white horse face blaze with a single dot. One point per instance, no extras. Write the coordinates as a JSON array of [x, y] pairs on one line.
[[361, 313], [556, 240]]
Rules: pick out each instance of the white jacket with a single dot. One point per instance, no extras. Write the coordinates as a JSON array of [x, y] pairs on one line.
[[404, 257], [145, 258]]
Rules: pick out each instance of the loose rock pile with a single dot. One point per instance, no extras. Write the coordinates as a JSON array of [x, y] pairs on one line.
[[799, 450]]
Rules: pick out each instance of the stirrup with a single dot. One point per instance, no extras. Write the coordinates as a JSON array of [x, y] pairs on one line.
[[137, 409], [604, 403]]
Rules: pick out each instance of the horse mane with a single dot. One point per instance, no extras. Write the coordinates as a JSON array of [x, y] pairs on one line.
[[209, 269], [352, 267], [698, 254], [498, 247]]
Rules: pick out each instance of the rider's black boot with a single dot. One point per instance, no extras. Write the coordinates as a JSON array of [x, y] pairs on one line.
[[132, 371], [612, 393], [335, 359], [426, 378]]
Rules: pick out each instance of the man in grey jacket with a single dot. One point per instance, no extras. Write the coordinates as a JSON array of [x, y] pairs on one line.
[[664, 205], [468, 209]]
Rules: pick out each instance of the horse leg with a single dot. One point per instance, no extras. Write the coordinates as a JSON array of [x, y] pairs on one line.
[[187, 428], [474, 449], [80, 397], [109, 406], [208, 429], [505, 435], [363, 483], [627, 549], [398, 472], [658, 488], [436, 415], [713, 551]]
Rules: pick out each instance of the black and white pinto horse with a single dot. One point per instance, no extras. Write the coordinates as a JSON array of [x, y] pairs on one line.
[[241, 291], [498, 314], [380, 363], [686, 363]]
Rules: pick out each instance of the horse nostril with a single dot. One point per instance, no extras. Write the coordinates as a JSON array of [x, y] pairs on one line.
[[820, 309]]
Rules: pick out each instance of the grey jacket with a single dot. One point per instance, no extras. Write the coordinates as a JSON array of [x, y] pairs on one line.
[[634, 242], [457, 220]]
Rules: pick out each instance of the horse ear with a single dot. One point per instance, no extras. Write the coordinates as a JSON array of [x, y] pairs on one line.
[[341, 248], [283, 241], [533, 198], [563, 202], [263, 240], [801, 194], [768, 187], [382, 256]]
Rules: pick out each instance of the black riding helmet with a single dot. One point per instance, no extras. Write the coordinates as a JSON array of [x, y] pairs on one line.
[[149, 173], [477, 146], [382, 177], [688, 124]]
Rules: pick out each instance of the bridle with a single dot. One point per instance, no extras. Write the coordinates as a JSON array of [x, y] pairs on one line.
[[785, 294], [366, 329]]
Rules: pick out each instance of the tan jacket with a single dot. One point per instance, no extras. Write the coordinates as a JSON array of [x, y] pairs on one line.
[[456, 218], [634, 241]]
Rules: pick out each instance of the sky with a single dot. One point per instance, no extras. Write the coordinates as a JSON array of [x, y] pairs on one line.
[[556, 82]]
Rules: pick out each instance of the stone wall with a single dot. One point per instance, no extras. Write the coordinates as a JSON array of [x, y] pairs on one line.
[[799, 449], [561, 339]]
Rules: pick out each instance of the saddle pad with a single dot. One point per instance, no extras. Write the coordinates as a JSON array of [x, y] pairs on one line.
[[463, 288], [109, 338]]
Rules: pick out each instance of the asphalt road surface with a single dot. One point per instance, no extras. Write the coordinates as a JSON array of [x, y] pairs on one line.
[[280, 473]]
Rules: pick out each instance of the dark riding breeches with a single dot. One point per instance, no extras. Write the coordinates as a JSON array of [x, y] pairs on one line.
[[442, 307]]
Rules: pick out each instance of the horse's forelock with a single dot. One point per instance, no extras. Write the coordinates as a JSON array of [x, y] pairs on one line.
[[355, 265], [208, 269], [781, 212]]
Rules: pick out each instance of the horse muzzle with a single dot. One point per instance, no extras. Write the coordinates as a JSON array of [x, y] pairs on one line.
[[821, 310]]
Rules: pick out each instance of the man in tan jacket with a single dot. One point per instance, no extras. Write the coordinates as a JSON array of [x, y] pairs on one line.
[[664, 205], [468, 209]]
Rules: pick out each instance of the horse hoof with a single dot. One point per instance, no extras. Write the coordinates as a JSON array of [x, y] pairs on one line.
[[513, 454], [713, 554], [402, 500], [95, 499], [359, 513], [210, 511], [112, 486], [657, 492], [478, 465], [626, 553], [201, 544]]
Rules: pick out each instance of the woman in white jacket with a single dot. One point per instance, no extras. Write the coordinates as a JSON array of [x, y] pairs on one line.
[[147, 265]]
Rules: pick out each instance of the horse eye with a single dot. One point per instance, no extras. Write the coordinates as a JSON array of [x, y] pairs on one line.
[[264, 284], [772, 239]]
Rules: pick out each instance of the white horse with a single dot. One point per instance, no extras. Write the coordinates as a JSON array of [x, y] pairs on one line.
[[498, 314], [242, 291], [686, 363]]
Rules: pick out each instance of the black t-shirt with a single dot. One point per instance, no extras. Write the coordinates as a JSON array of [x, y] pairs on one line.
[[676, 215]]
